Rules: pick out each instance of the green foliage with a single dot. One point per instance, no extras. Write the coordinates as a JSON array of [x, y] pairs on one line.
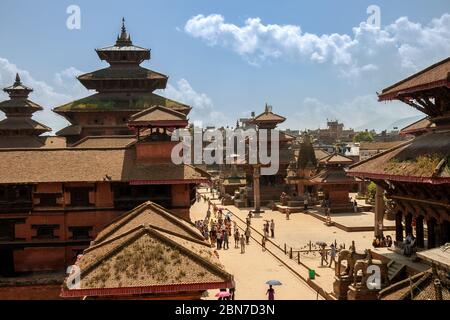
[[363, 136], [371, 190]]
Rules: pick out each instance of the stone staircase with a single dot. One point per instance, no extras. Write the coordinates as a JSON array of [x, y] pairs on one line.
[[395, 269]]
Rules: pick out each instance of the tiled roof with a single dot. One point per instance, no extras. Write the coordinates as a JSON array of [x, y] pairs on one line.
[[72, 130], [335, 159], [149, 213], [20, 103], [320, 154], [89, 165], [418, 127], [268, 116], [23, 123], [102, 102], [379, 145], [104, 141], [332, 176], [434, 76], [21, 142], [146, 260], [157, 113], [135, 72], [424, 159]]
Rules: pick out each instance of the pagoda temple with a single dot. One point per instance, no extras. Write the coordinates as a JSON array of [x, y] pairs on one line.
[[303, 166], [415, 175], [268, 188], [19, 130], [333, 181], [124, 88]]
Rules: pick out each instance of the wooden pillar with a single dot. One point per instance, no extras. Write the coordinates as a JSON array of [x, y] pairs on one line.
[[445, 231], [256, 190], [379, 211], [408, 224], [419, 232], [398, 226], [431, 222]]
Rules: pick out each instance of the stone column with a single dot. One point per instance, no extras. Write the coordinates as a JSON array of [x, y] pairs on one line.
[[379, 211], [398, 226], [256, 191], [431, 235], [419, 232]]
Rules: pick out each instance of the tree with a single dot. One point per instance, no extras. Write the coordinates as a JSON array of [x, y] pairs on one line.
[[363, 136], [371, 190]]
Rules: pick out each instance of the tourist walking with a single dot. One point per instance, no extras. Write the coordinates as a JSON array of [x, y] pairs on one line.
[[242, 244], [323, 254], [226, 245], [219, 239], [305, 203], [355, 206], [271, 293], [236, 238], [263, 243], [272, 229], [288, 212], [332, 255], [247, 235]]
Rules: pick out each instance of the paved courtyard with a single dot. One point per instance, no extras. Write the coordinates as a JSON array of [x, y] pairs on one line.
[[252, 269]]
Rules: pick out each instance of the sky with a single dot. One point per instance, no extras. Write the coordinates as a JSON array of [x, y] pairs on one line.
[[310, 60]]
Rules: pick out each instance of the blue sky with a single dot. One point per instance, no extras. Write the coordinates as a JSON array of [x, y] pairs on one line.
[[227, 58]]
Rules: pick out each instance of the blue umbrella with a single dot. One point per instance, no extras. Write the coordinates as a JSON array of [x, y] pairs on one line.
[[274, 283]]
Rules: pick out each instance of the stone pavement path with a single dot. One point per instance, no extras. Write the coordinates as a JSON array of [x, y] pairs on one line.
[[253, 268]]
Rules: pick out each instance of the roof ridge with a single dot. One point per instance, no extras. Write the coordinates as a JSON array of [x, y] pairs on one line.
[[381, 153], [416, 74]]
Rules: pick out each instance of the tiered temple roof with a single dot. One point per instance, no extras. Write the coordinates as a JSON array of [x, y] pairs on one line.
[[267, 119], [124, 88], [19, 110], [146, 251]]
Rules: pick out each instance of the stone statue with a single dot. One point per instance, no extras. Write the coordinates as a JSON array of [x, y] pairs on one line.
[[351, 256]]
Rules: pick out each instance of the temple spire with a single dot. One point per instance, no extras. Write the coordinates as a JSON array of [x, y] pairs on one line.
[[124, 39], [17, 82]]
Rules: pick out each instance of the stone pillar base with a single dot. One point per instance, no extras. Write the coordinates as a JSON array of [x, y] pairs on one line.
[[340, 286], [361, 293]]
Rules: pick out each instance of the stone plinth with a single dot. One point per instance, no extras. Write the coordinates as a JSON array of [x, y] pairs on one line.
[[341, 285], [359, 292]]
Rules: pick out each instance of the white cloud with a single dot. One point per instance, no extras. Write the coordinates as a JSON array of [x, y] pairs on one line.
[[43, 93], [403, 43], [203, 112], [361, 111]]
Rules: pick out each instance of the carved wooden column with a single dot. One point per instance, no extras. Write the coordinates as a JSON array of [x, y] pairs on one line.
[[419, 232], [399, 226], [431, 235], [379, 211], [408, 224]]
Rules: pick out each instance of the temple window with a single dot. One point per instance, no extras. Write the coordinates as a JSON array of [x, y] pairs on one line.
[[79, 197], [45, 231], [49, 199], [80, 233]]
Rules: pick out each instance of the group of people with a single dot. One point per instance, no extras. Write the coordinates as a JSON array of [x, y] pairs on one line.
[[324, 254], [382, 241]]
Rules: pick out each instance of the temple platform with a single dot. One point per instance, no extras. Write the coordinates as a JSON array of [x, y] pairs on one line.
[[351, 221]]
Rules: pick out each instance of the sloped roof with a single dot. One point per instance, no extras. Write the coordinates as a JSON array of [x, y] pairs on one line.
[[20, 103], [102, 102], [154, 215], [418, 127], [434, 76], [332, 176], [335, 159], [268, 116], [104, 141], [89, 165], [10, 142], [381, 145], [320, 154], [424, 159], [146, 260], [157, 113], [134, 72], [72, 130], [23, 123]]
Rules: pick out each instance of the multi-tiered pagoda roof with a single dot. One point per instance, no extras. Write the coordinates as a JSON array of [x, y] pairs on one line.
[[123, 88]]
